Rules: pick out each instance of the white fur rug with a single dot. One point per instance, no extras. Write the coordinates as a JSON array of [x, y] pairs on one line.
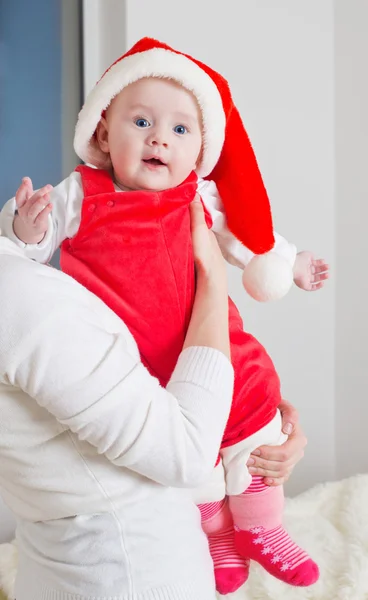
[[329, 521]]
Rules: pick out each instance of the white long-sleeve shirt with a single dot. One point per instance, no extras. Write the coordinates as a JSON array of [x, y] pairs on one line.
[[64, 221], [93, 452]]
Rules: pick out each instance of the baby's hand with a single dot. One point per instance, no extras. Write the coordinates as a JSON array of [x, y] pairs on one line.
[[31, 221], [310, 274]]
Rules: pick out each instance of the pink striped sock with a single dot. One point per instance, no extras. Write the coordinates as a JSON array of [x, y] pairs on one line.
[[231, 570], [260, 535], [256, 486]]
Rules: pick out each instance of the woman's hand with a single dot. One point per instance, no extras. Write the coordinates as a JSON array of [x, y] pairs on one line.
[[276, 463], [208, 259], [209, 323]]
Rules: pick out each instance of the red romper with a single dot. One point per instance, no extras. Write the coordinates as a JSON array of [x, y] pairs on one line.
[[134, 251]]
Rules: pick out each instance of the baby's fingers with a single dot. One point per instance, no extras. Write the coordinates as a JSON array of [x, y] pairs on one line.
[[37, 207], [24, 192], [38, 202], [318, 281], [42, 217], [317, 277], [320, 266]]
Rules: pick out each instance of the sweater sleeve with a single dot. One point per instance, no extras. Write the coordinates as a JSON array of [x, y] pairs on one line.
[[63, 221], [232, 249], [61, 353]]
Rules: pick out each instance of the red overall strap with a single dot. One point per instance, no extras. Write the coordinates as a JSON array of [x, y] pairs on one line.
[[95, 181]]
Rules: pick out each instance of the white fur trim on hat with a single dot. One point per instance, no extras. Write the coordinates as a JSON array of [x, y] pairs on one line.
[[157, 62]]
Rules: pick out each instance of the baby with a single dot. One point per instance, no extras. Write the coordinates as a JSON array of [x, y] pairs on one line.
[[157, 129]]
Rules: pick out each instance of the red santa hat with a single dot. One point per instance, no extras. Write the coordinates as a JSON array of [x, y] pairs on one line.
[[227, 155]]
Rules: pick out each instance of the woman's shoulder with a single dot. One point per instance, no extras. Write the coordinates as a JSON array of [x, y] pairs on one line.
[[31, 292]]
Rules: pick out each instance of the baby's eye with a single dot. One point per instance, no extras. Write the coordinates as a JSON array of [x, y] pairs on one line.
[[180, 129], [142, 122]]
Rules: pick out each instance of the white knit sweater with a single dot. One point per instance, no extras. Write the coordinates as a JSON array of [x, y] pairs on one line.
[[96, 459]]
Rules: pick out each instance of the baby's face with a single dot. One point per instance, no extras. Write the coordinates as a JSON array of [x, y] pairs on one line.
[[152, 132]]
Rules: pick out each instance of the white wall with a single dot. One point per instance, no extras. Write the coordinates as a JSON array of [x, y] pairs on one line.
[[351, 44], [104, 37]]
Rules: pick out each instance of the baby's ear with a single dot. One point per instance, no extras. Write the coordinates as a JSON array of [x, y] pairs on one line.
[[102, 135]]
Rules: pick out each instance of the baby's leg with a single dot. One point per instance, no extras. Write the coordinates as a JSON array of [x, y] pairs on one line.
[[231, 570], [257, 513]]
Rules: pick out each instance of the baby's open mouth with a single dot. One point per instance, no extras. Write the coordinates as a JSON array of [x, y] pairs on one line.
[[154, 161]]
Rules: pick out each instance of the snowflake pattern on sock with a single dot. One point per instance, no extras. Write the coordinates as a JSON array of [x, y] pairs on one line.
[[267, 549]]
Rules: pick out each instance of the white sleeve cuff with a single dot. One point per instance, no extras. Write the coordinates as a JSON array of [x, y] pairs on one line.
[[42, 251], [285, 249], [204, 367], [6, 222]]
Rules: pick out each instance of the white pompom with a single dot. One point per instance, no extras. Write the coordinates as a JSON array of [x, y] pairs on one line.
[[268, 277]]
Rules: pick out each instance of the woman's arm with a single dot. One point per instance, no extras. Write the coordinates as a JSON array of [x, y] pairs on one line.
[[209, 325]]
